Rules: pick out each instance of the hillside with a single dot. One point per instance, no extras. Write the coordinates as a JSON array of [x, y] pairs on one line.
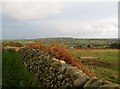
[[71, 42]]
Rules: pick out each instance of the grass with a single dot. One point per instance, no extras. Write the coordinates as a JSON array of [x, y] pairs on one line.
[[14, 74], [107, 74], [109, 56]]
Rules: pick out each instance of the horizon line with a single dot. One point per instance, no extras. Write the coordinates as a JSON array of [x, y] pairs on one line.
[[63, 37]]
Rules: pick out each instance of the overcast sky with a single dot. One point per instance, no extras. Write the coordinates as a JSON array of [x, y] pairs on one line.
[[24, 20]]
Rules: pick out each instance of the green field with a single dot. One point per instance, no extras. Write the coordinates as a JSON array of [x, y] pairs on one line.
[[104, 55], [71, 42], [14, 73], [107, 56]]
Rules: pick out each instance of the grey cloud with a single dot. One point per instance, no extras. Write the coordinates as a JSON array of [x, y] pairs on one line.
[[83, 20]]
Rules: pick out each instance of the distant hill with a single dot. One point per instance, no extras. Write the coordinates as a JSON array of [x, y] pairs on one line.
[[78, 42], [71, 42]]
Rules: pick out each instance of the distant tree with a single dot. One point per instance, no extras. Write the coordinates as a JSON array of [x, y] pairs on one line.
[[115, 45], [89, 46]]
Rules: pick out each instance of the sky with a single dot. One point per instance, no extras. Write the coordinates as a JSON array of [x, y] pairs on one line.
[[29, 20]]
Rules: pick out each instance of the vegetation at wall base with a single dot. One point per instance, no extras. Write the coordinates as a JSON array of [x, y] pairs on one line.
[[14, 73]]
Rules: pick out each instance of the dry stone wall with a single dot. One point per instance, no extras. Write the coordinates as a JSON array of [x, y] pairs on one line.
[[55, 73]]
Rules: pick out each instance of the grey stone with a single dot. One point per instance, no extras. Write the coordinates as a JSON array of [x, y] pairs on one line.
[[74, 72], [110, 86], [67, 84], [58, 72], [70, 69], [81, 81], [46, 68], [58, 83], [67, 79], [93, 83], [51, 68], [96, 83], [52, 85], [64, 66], [77, 74], [60, 77], [63, 82], [31, 67], [90, 82], [53, 75], [55, 86], [25, 63], [55, 79]]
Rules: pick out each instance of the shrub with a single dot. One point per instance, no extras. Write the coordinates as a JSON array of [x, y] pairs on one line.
[[115, 45]]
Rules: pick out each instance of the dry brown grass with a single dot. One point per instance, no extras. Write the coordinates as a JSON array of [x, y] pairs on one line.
[[63, 53]]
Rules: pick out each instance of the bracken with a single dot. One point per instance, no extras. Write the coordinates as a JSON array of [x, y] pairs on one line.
[[62, 53]]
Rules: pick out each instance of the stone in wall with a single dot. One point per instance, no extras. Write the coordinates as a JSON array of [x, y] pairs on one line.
[[55, 73], [110, 86], [50, 71]]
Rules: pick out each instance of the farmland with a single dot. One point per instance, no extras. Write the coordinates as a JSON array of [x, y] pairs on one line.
[[71, 42], [13, 66], [107, 56]]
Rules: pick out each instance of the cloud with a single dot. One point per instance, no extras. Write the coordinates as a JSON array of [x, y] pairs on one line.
[[107, 27], [31, 10], [34, 20], [60, 1], [103, 28]]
